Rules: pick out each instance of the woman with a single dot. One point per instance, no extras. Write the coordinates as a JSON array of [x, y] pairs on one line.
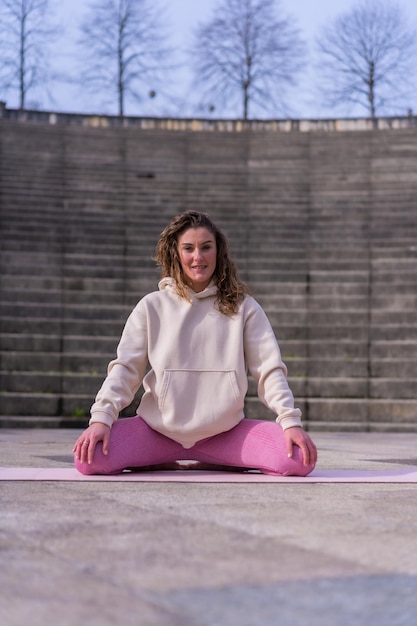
[[191, 344]]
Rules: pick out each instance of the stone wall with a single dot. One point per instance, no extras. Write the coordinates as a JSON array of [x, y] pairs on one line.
[[322, 224]]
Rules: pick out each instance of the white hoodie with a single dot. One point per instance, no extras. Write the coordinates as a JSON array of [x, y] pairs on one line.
[[199, 358]]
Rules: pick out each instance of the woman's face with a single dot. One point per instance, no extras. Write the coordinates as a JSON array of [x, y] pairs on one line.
[[197, 251]]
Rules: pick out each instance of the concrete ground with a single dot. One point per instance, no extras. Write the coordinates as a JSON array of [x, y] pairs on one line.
[[186, 554]]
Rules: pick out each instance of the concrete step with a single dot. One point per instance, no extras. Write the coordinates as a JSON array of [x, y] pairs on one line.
[[42, 421], [49, 405], [393, 388], [84, 284], [51, 382], [368, 412], [56, 311], [24, 342], [336, 387], [344, 387], [348, 414], [79, 362], [330, 289], [332, 366], [41, 326], [30, 404], [343, 349], [345, 317], [394, 350], [393, 332], [353, 349], [329, 334], [395, 289], [287, 276], [398, 410], [394, 264], [393, 277], [337, 303], [71, 271], [56, 296], [73, 297], [35, 245], [322, 276], [392, 368], [397, 303]]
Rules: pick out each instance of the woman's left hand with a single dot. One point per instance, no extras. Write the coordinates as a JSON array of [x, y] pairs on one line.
[[296, 435]]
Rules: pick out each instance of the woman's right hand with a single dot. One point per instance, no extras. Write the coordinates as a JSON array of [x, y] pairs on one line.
[[85, 445]]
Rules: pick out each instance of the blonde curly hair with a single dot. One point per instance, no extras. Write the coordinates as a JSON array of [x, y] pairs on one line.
[[230, 289]]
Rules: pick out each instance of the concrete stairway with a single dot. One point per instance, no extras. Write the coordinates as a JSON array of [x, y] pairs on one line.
[[323, 227]]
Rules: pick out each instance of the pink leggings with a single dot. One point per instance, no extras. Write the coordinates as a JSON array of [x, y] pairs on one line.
[[252, 444]]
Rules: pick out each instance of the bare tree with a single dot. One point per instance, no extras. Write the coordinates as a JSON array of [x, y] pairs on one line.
[[368, 56], [247, 54], [26, 32], [125, 50]]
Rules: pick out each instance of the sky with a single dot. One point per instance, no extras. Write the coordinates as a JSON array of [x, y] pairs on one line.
[[183, 16]]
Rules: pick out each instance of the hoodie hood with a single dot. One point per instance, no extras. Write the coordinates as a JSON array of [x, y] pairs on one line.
[[171, 284]]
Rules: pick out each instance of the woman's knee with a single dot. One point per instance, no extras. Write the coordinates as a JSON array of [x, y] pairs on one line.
[[291, 466], [273, 453], [99, 464], [85, 468]]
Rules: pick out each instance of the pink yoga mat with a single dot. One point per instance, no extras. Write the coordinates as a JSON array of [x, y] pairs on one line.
[[199, 476]]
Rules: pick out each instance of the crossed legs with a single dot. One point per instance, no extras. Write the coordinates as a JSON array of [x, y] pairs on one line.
[[252, 444]]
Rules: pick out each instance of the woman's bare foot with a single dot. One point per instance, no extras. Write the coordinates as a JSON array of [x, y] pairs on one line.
[[174, 465], [187, 465], [211, 467]]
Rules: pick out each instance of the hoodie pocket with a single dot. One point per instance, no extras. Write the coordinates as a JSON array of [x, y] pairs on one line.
[[203, 395]]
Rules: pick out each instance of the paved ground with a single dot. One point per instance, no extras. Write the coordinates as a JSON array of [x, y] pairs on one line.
[[178, 554]]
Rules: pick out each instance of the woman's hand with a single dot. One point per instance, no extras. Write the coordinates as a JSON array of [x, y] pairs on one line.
[[85, 445], [297, 436]]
